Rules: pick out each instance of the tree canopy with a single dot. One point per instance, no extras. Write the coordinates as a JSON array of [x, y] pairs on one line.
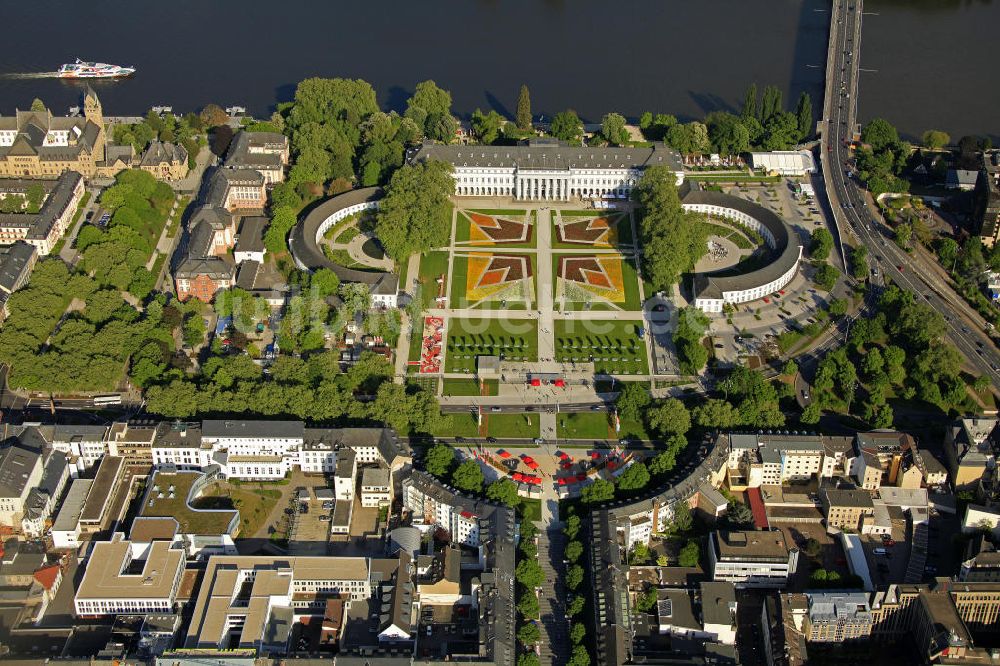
[[673, 239], [415, 214]]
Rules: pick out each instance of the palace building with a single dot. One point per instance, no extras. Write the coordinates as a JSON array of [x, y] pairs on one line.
[[549, 170]]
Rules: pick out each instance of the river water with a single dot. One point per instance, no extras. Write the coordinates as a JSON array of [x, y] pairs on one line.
[[684, 57]]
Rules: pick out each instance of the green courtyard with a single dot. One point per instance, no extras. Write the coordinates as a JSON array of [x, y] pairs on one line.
[[468, 338], [614, 346]]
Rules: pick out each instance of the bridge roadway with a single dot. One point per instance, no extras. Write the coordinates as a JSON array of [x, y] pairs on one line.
[[854, 211]]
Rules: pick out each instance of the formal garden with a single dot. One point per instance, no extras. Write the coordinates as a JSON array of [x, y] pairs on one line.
[[614, 347], [514, 340]]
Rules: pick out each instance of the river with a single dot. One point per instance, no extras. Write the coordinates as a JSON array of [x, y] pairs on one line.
[[684, 57]]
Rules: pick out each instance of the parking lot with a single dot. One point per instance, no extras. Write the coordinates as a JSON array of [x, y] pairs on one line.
[[310, 531]]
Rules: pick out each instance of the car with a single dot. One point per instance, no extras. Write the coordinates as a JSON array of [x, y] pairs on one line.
[[767, 300], [899, 267], [459, 439], [496, 409], [965, 329], [719, 346], [658, 308], [529, 408], [596, 408], [640, 331], [979, 344], [538, 440], [325, 518], [491, 440]]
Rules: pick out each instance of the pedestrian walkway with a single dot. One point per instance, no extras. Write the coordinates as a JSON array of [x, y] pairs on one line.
[[555, 647]]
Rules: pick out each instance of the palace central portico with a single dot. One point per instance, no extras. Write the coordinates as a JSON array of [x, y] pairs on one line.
[[548, 170]]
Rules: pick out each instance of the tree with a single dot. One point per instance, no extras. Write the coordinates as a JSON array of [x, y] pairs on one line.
[[529, 633], [904, 233], [635, 477], [415, 214], [572, 526], [503, 491], [580, 656], [739, 515], [859, 262], [771, 104], [613, 129], [812, 547], [982, 383], [430, 109], [947, 250], [715, 413], [826, 277], [688, 557], [529, 573], [804, 116], [574, 576], [468, 476], [670, 417], [755, 397], [567, 126], [212, 115], [527, 605], [673, 239], [837, 307], [575, 607], [528, 659], [811, 413], [276, 236], [632, 400], [577, 632], [728, 134], [439, 460], [880, 135], [791, 368], [820, 245], [750, 103], [486, 126], [37, 105], [936, 139], [574, 549], [646, 601], [523, 117], [597, 492]]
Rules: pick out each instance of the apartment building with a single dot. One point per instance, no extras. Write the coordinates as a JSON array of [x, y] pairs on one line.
[[20, 471], [835, 617], [125, 578], [846, 509], [970, 448], [42, 498], [751, 559], [376, 488], [88, 507], [84, 445], [982, 561]]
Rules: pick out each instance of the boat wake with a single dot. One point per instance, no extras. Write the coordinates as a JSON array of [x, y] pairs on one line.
[[30, 75]]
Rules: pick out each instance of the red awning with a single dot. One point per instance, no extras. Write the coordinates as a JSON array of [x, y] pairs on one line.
[[560, 383], [536, 382], [612, 465], [527, 459], [595, 455], [581, 477], [517, 476], [503, 454], [561, 482]]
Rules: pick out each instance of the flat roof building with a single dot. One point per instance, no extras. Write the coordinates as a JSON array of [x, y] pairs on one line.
[[122, 577], [752, 559]]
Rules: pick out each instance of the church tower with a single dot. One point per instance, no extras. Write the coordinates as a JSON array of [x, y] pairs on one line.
[[93, 112], [92, 107]]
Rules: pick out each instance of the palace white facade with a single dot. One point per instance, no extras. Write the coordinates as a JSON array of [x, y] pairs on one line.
[[546, 170]]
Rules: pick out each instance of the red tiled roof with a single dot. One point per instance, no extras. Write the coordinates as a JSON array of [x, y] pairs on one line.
[[757, 508], [47, 576]]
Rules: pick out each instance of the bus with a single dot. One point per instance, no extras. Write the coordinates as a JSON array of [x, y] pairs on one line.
[[105, 400]]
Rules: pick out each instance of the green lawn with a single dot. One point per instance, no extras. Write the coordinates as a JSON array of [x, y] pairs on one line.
[[530, 510], [614, 345], [517, 339], [501, 426], [459, 282], [584, 425], [214, 515], [175, 223], [596, 425], [432, 266], [469, 386], [347, 235]]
